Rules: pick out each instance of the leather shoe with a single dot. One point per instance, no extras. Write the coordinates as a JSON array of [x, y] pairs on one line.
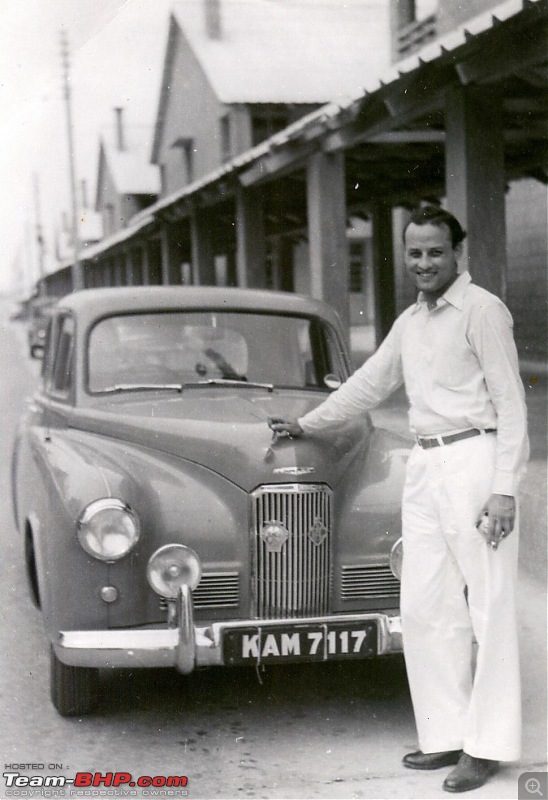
[[420, 760], [470, 773]]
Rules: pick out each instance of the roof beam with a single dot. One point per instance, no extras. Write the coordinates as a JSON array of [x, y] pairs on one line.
[[359, 132], [420, 95], [527, 105], [407, 137], [515, 52], [276, 163]]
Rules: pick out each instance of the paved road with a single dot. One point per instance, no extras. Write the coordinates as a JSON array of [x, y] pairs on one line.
[[325, 731]]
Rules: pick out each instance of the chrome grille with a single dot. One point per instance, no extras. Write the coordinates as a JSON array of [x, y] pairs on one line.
[[215, 590], [296, 581], [358, 582]]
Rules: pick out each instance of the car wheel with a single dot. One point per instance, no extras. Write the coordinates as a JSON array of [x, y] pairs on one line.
[[74, 690]]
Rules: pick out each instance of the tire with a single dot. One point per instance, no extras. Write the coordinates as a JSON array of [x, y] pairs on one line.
[[74, 690]]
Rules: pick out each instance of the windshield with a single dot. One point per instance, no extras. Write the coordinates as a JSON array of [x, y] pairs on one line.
[[163, 349]]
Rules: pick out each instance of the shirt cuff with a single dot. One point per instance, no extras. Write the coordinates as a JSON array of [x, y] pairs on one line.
[[308, 426], [505, 483]]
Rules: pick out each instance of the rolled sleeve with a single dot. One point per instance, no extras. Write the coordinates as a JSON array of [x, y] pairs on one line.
[[372, 383], [492, 338]]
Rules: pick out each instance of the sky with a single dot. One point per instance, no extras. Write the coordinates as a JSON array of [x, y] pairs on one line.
[[116, 51]]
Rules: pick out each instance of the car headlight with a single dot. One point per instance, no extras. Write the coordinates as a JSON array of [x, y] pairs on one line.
[[173, 566], [396, 558], [108, 529]]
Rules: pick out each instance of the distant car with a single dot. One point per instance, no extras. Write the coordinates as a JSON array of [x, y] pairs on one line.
[[165, 526], [40, 311]]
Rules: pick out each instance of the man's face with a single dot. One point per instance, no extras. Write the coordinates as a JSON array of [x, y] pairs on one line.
[[430, 258]]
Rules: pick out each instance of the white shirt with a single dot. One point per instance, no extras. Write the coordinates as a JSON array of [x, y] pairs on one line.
[[460, 368]]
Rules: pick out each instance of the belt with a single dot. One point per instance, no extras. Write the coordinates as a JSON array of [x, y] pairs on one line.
[[449, 438]]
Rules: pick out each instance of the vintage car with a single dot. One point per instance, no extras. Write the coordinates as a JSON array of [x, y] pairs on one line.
[[163, 523]]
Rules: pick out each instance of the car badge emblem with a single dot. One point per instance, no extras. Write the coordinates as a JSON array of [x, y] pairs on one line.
[[294, 470], [318, 532], [274, 535]]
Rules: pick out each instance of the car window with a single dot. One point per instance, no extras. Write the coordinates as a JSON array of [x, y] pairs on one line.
[[49, 349], [60, 378], [186, 347]]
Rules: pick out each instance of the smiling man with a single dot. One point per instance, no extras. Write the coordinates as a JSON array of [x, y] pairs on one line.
[[454, 351]]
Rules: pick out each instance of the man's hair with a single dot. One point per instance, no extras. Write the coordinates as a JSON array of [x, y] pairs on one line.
[[434, 215]]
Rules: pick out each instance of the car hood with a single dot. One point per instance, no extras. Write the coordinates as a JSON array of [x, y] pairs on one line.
[[226, 431]]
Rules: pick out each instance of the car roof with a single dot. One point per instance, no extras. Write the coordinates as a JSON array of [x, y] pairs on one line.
[[91, 304]]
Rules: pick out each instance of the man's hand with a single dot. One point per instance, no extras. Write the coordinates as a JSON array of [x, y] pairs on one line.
[[501, 510], [288, 426]]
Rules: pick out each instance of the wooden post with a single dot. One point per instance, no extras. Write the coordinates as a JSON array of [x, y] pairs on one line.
[[474, 179], [326, 204], [164, 240], [250, 240], [203, 262], [146, 277], [129, 267], [383, 270]]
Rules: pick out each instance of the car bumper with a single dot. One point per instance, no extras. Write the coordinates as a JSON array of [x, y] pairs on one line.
[[185, 646]]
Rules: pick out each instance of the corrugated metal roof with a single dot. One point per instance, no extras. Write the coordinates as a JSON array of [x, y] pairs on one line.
[[296, 51], [137, 224]]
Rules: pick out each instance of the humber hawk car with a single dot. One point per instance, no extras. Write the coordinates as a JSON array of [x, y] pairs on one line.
[[163, 523]]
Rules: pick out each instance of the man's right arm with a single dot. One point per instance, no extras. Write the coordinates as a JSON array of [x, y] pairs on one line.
[[372, 383]]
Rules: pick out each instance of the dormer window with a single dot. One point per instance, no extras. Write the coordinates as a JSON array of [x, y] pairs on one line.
[[226, 144], [186, 146]]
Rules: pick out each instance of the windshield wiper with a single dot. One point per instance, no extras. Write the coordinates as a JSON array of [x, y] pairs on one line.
[[178, 387], [139, 387], [240, 382]]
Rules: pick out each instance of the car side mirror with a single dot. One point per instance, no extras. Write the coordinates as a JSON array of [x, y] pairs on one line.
[[332, 381], [37, 351]]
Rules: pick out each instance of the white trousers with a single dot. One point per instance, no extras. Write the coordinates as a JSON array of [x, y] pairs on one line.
[[445, 490]]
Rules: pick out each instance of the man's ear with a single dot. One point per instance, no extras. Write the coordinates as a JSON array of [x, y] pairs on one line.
[[458, 250]]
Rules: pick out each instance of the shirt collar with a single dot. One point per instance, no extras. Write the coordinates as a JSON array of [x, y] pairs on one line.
[[454, 295]]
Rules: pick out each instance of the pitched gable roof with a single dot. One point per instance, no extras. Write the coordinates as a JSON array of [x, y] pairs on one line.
[[130, 168], [280, 51], [285, 51]]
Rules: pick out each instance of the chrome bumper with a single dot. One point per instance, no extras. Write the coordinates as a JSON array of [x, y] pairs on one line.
[[185, 646]]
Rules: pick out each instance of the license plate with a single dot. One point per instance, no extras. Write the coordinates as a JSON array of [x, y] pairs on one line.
[[300, 642]]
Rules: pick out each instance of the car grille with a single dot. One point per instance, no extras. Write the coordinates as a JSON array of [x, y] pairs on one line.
[[296, 581], [359, 582], [217, 590]]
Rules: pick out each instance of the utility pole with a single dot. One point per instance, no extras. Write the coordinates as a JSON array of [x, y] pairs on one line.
[[39, 235], [77, 270]]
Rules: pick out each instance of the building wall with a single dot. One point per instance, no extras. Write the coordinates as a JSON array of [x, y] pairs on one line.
[[192, 112], [413, 23], [129, 206], [526, 296], [110, 205], [451, 14]]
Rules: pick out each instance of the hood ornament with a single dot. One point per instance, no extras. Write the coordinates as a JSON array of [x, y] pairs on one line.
[[318, 532], [274, 535], [294, 470]]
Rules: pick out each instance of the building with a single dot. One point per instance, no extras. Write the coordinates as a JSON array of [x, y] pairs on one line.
[[238, 71], [523, 285], [457, 122], [126, 181]]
